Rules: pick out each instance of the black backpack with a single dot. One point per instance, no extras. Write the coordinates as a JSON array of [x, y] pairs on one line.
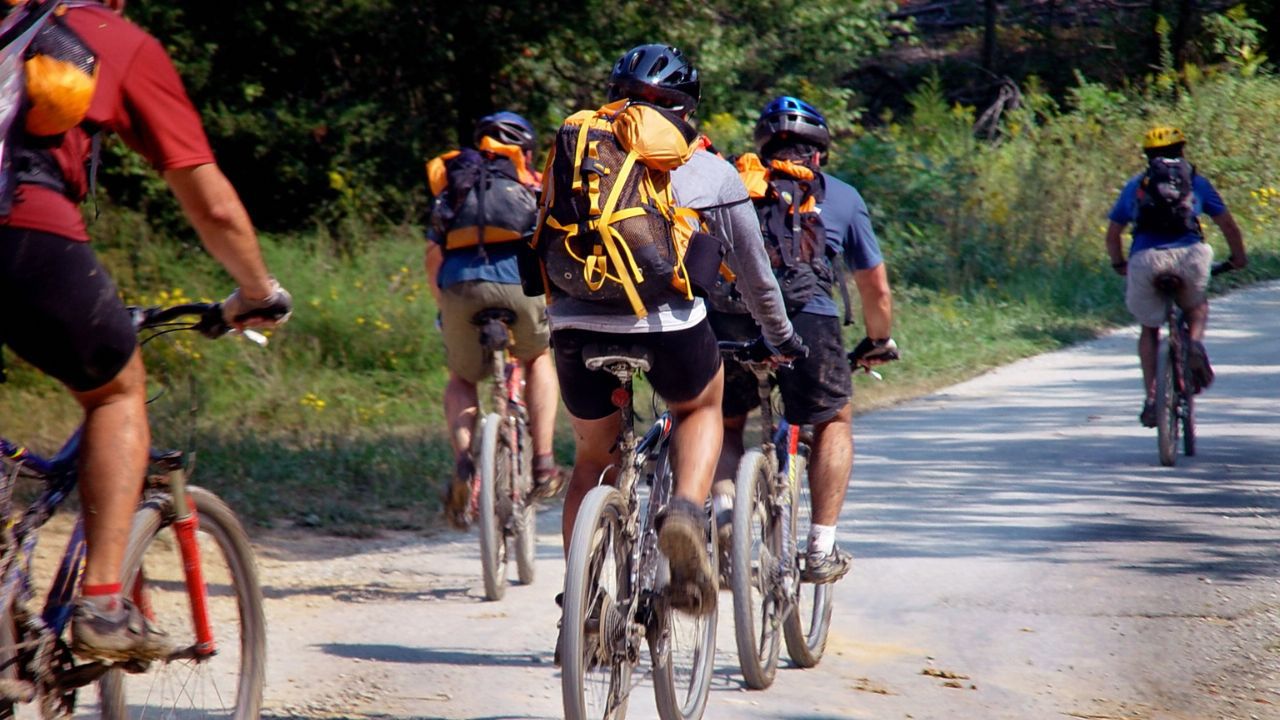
[[480, 200], [1166, 201], [786, 198]]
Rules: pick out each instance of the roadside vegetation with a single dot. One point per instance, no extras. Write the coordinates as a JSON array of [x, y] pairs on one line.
[[991, 223]]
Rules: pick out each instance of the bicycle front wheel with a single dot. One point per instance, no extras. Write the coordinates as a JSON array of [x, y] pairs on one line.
[[525, 521], [595, 650], [225, 684], [806, 626], [495, 505], [757, 550], [1167, 408], [1188, 414]]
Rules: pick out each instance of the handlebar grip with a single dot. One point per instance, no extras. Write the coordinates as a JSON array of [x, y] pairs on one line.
[[1221, 267]]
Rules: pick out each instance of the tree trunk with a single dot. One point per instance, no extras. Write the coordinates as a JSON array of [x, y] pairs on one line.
[[989, 16], [1183, 30], [1157, 12]]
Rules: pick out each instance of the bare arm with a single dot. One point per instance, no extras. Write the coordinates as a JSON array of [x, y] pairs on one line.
[[877, 300], [1235, 239], [435, 258], [219, 218], [759, 288], [1115, 246]]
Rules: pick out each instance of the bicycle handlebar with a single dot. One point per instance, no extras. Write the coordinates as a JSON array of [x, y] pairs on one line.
[[752, 352], [209, 323], [1221, 267]]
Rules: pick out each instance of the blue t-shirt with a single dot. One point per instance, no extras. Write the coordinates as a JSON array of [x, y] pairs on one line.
[[498, 263], [1125, 211], [849, 234]]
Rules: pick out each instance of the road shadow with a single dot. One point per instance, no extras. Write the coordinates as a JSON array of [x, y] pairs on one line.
[[434, 656]]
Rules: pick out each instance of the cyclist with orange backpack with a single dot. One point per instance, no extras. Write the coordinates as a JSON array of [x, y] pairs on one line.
[[87, 70], [485, 205], [1164, 203], [812, 223], [616, 275]]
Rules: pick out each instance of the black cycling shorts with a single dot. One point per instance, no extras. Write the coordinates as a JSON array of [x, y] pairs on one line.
[[684, 362], [62, 312], [817, 387], [814, 390]]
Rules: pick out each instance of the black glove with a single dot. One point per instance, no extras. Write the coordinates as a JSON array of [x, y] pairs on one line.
[[871, 352], [793, 347]]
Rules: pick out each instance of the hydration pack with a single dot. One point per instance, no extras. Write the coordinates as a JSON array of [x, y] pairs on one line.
[[786, 196], [609, 230], [1166, 201], [47, 80], [482, 196]]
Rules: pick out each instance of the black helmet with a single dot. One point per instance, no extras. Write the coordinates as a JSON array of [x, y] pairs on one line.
[[657, 74], [795, 117], [508, 128]]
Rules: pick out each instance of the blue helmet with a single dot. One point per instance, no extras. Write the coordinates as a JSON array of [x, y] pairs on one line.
[[795, 117], [508, 128]]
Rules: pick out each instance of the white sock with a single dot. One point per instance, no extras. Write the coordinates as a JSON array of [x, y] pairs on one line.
[[822, 538], [722, 498]]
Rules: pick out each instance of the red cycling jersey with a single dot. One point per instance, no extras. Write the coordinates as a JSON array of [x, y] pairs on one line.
[[140, 97]]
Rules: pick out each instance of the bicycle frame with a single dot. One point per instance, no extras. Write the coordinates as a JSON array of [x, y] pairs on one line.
[[59, 475]]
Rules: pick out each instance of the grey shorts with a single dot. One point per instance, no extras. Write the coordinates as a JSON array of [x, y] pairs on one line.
[[1191, 263], [460, 302]]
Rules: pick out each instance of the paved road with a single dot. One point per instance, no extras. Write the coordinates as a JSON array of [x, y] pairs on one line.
[[1016, 530]]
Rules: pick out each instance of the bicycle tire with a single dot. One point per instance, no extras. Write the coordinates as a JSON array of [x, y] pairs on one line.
[[495, 480], [1166, 409], [526, 523], [1188, 415], [9, 659], [752, 556], [243, 664], [598, 538], [807, 625], [683, 650]]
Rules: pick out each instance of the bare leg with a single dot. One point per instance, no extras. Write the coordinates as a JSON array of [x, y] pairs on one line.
[[542, 390], [830, 465], [113, 463], [695, 441], [1148, 346], [593, 441], [461, 404], [1198, 320], [732, 448]]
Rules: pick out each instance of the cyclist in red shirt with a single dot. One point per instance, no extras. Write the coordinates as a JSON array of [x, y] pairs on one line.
[[63, 313]]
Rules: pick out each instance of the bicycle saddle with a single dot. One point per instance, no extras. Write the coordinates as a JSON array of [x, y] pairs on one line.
[[502, 315], [599, 356], [1167, 282]]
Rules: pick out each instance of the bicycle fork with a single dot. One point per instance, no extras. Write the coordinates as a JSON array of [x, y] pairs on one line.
[[185, 525]]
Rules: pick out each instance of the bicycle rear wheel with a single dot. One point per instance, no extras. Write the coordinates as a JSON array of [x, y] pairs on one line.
[[1167, 408], [806, 626], [595, 654], [757, 549], [495, 505], [683, 650], [226, 684]]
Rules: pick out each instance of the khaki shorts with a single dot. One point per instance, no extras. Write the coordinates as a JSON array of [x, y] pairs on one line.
[[1191, 263], [459, 303]]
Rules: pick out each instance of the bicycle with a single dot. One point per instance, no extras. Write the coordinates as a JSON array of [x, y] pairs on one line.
[[1175, 387], [771, 501], [615, 581], [502, 490], [211, 584]]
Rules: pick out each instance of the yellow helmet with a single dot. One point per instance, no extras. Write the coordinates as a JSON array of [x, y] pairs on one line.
[[59, 93], [1162, 136]]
